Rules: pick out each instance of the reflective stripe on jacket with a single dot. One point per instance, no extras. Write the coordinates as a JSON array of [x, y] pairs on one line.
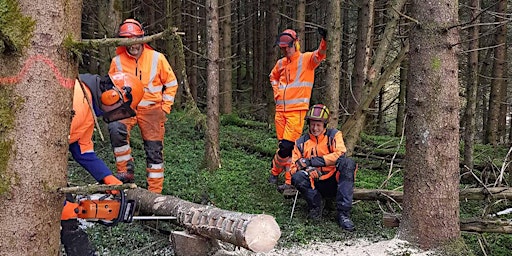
[[155, 72], [292, 79], [323, 151], [82, 124]]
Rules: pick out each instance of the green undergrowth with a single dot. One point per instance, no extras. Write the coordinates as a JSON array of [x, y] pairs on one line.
[[241, 185]]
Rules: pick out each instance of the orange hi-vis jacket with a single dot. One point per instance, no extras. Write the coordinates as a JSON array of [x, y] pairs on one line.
[[323, 151], [82, 124], [155, 72], [292, 78]]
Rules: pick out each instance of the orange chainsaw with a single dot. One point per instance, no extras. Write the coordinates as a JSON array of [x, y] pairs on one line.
[[109, 210]]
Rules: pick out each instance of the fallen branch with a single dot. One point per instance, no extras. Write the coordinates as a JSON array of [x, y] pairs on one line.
[[464, 194], [93, 188], [469, 225]]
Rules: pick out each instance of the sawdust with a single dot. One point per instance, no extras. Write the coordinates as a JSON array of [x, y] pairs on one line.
[[359, 247]]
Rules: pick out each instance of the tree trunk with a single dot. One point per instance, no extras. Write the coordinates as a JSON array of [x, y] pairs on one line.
[[332, 79], [272, 55], [212, 146], [226, 70], [191, 35], [471, 86], [353, 127], [35, 109], [255, 232], [300, 23], [400, 113], [495, 98], [431, 202], [362, 57]]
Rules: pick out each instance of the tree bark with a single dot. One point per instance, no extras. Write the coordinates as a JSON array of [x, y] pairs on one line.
[[496, 94], [431, 202], [471, 86], [332, 79], [255, 232], [36, 115], [226, 70], [212, 146]]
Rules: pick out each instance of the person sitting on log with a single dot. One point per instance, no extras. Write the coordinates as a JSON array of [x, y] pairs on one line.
[[321, 169]]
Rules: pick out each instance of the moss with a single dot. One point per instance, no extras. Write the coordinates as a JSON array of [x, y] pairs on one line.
[[7, 107], [436, 63], [15, 27], [455, 248]]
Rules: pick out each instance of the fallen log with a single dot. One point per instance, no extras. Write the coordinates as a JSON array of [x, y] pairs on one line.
[[378, 194], [468, 225], [255, 232], [464, 194]]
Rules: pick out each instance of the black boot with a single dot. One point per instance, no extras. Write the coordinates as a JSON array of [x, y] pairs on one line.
[[126, 177], [345, 222], [75, 240]]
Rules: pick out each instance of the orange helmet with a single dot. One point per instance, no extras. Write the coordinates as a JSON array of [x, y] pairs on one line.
[[120, 99], [318, 112], [131, 28], [287, 38]]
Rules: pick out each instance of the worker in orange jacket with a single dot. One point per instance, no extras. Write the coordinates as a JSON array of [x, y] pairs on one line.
[[160, 87], [81, 147], [292, 81], [321, 168]]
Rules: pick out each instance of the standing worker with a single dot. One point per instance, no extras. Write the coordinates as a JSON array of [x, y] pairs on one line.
[[321, 168], [292, 81], [87, 97], [160, 87]]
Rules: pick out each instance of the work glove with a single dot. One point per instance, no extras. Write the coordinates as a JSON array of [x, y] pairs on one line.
[[303, 163], [314, 173], [112, 180], [322, 32]]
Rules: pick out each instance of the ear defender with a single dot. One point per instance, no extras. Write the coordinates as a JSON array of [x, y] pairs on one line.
[[297, 45]]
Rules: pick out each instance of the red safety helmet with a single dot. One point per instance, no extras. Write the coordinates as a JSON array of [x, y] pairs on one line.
[[287, 38], [120, 98], [131, 28], [318, 112]]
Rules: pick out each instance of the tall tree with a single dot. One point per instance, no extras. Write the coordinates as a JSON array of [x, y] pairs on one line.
[[496, 96], [226, 106], [333, 60], [212, 147], [431, 203], [471, 85], [34, 136]]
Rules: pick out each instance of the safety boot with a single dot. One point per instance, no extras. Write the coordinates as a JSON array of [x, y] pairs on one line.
[[272, 179], [345, 222], [126, 177], [288, 191], [315, 213]]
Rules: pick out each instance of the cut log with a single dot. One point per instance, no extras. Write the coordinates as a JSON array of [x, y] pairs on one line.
[[464, 194], [255, 232]]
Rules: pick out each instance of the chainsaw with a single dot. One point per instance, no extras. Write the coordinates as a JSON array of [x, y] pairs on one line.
[[109, 210]]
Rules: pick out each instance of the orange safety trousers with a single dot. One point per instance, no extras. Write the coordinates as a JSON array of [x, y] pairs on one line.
[[289, 125], [151, 120]]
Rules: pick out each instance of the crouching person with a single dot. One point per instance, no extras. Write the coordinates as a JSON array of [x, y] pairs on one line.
[[321, 169]]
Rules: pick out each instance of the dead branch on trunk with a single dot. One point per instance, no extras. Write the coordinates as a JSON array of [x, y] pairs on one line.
[[255, 232]]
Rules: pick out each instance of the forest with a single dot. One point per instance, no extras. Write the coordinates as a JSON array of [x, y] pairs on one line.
[[418, 89]]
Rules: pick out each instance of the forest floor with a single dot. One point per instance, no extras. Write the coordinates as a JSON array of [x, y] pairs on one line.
[[241, 185]]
